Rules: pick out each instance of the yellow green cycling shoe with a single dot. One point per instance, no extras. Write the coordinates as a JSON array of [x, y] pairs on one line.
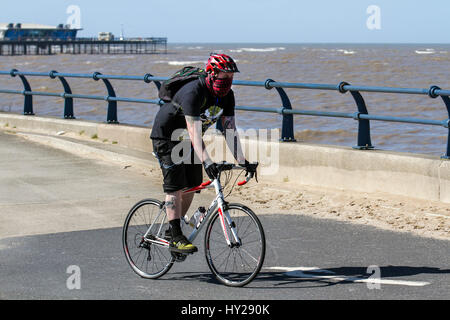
[[182, 245]]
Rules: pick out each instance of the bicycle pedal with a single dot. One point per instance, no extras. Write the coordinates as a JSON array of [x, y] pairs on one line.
[[179, 257], [167, 235]]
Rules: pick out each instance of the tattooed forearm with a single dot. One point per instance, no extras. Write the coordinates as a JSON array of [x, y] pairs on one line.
[[228, 123]]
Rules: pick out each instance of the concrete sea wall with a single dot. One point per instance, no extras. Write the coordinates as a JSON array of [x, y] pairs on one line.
[[412, 175]]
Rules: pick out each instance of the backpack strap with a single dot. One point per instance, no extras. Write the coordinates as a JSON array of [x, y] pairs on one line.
[[170, 87]]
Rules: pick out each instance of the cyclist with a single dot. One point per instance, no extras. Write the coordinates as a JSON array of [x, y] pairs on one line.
[[195, 106]]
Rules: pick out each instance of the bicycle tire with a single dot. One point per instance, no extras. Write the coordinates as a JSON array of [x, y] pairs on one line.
[[250, 255], [140, 254]]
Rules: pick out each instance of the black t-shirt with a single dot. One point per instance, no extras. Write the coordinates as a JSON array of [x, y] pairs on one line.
[[193, 99]]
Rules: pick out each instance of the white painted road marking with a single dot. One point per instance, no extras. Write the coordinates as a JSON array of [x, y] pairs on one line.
[[317, 273]]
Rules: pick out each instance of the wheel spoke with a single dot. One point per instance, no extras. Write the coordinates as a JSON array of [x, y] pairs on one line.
[[147, 259], [248, 253]]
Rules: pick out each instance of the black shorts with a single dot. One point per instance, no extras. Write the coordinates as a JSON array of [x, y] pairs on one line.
[[179, 170]]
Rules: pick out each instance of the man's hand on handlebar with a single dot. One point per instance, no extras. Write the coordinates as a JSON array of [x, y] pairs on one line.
[[250, 169], [211, 170]]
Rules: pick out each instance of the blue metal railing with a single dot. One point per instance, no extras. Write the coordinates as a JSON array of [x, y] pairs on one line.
[[287, 127]]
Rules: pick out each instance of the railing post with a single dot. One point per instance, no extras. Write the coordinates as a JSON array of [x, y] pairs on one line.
[[147, 80], [112, 105], [68, 101], [432, 94], [287, 127], [28, 100], [364, 141], [157, 84], [447, 153]]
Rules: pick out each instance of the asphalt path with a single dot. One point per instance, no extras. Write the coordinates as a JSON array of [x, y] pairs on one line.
[[62, 241]]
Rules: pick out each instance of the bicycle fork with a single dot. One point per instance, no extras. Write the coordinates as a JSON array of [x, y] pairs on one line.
[[225, 219]]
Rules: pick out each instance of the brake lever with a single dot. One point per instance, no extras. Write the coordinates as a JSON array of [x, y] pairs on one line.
[[248, 176], [255, 173]]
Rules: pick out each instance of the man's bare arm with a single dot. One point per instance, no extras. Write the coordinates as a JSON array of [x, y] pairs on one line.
[[232, 138], [194, 128]]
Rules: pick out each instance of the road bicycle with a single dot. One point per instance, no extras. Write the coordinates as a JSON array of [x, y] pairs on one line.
[[234, 239]]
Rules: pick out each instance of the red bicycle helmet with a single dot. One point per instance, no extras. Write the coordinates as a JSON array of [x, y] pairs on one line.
[[221, 62]]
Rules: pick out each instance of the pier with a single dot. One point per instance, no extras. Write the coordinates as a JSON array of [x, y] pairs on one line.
[[83, 46]]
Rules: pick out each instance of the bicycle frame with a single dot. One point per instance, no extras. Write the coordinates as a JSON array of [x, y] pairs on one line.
[[218, 204]]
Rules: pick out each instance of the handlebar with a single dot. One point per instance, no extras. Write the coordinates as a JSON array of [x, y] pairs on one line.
[[229, 166], [224, 166]]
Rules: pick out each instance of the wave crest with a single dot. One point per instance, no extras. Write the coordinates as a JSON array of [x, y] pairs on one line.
[[272, 49]]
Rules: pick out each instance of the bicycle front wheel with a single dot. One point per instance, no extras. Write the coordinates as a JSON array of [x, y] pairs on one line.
[[143, 239], [235, 265]]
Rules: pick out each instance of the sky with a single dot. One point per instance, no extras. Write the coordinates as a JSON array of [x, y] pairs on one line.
[[247, 21]]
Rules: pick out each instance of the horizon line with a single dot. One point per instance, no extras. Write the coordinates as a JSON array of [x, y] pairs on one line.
[[324, 42]]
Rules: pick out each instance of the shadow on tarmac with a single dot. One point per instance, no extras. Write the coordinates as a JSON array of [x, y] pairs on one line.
[[278, 279]]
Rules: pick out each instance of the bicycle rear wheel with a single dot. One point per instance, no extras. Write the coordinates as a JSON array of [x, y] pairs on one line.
[[235, 265], [148, 259]]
